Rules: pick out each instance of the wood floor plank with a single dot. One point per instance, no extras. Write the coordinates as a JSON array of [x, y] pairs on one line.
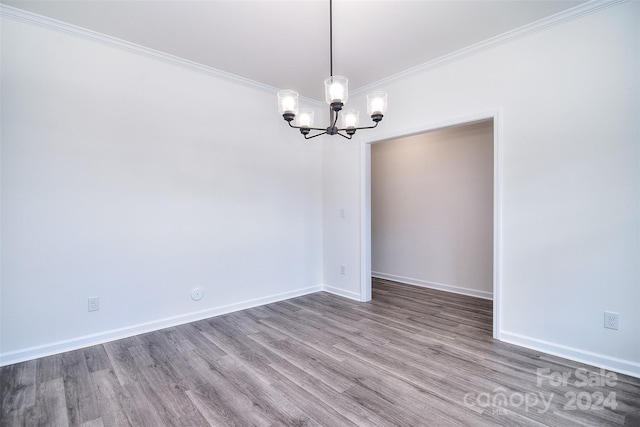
[[218, 412], [117, 408], [416, 399], [93, 423], [339, 401], [79, 392], [263, 396], [50, 408], [222, 400], [323, 367], [122, 361], [18, 386], [341, 328], [133, 383], [49, 368], [166, 388], [192, 340], [318, 410], [410, 357], [314, 335], [96, 358], [224, 335], [389, 410]]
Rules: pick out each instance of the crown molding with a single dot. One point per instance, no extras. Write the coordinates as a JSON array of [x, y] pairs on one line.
[[86, 34], [532, 28], [94, 36]]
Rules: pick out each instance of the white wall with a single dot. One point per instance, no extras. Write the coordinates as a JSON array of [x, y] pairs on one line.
[[136, 180], [568, 100], [132, 179], [432, 209], [341, 181]]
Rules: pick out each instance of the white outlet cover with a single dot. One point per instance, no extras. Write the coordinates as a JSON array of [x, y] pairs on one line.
[[197, 294], [611, 320]]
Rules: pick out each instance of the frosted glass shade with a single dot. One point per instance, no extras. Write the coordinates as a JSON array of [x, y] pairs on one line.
[[376, 103], [288, 102], [336, 89], [305, 117], [350, 119]]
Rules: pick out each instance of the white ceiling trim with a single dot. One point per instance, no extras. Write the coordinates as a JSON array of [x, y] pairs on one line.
[[537, 26], [94, 36]]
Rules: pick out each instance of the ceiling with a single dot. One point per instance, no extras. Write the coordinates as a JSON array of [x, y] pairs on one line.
[[285, 44]]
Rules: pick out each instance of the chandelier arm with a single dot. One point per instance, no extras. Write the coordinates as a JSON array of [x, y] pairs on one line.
[[300, 127], [313, 136], [366, 127], [344, 136]]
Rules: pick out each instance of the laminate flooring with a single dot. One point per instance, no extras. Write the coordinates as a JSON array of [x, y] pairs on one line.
[[410, 357]]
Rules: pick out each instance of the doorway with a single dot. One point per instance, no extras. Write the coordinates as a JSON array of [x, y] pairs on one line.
[[462, 251]]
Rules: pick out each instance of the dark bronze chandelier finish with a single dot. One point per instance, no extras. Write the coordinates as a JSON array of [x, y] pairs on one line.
[[336, 93]]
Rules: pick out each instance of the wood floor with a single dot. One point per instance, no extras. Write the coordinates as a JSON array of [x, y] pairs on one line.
[[410, 357]]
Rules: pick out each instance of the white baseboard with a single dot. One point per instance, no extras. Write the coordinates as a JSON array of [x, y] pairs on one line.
[[342, 292], [434, 285], [609, 363], [116, 334]]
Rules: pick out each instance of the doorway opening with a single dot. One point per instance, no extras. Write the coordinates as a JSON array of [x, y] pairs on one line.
[[441, 230]]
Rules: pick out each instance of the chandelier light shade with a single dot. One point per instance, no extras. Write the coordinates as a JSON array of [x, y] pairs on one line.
[[376, 104], [305, 119], [336, 89], [288, 103], [350, 120], [336, 92]]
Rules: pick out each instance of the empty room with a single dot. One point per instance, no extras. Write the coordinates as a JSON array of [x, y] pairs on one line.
[[335, 213]]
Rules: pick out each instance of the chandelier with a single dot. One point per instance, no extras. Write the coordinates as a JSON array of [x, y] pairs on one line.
[[336, 94]]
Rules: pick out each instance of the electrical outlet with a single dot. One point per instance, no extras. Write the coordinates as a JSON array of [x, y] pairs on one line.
[[611, 320], [343, 269], [94, 304]]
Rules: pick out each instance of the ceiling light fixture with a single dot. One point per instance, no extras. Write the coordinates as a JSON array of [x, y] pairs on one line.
[[336, 94]]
